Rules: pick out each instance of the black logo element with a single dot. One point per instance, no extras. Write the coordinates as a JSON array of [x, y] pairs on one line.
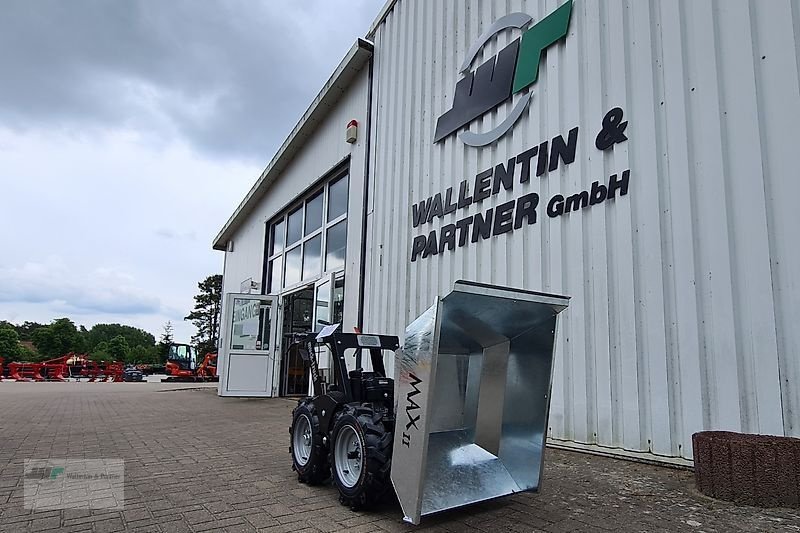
[[42, 472], [480, 91], [612, 131]]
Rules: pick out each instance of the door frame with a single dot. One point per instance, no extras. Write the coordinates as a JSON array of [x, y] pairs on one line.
[[329, 276], [279, 373], [226, 351], [323, 353]]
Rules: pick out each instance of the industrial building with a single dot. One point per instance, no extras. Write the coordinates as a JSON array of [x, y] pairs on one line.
[[638, 157]]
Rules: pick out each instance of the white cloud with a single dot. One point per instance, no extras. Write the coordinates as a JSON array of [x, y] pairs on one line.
[[167, 233], [115, 228], [130, 131], [103, 290]]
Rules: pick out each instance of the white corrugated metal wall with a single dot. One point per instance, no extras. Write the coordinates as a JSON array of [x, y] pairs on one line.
[[685, 299]]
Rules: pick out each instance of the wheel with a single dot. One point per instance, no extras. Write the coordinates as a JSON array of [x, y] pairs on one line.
[[361, 456], [309, 452]]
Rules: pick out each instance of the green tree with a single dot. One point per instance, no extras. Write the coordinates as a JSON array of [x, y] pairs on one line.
[[101, 352], [9, 343], [166, 335], [59, 338], [106, 332], [26, 354], [25, 331], [118, 348], [142, 354], [164, 343], [205, 315]]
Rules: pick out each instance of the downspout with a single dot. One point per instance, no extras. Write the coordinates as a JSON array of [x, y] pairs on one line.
[[264, 277], [222, 353], [363, 266]]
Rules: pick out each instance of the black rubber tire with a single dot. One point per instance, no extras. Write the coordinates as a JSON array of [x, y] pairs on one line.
[[376, 440], [317, 469]]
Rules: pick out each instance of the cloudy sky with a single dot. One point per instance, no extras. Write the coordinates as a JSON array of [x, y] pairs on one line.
[[129, 132]]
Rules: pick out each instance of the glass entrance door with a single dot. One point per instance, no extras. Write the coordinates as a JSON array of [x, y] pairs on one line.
[[298, 309], [247, 358]]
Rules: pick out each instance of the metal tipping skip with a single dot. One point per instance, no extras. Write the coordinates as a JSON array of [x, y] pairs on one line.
[[464, 421]]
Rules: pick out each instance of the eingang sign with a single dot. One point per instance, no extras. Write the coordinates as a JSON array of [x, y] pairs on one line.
[[245, 324]]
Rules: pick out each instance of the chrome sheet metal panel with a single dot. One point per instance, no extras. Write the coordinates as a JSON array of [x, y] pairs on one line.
[[477, 368], [413, 373], [685, 293], [492, 396]]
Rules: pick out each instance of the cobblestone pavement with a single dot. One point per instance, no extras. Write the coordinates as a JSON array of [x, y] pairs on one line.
[[195, 462]]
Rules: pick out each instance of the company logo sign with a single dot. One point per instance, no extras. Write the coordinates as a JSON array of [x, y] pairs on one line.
[[512, 71]]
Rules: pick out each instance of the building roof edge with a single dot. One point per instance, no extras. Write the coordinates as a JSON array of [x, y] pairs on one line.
[[382, 14], [337, 84]]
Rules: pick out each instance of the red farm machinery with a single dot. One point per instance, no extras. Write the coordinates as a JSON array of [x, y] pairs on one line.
[[61, 368]]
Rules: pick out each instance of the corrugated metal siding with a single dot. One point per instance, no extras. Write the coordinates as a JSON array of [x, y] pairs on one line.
[[685, 299]]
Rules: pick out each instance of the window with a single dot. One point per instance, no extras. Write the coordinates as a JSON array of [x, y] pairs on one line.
[[275, 272], [336, 246], [313, 214], [312, 258], [322, 306], [337, 307], [250, 326], [337, 198], [295, 227], [293, 266], [277, 238], [309, 238]]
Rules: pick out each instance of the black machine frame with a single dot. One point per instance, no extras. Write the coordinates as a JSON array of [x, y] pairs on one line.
[[339, 343], [346, 386]]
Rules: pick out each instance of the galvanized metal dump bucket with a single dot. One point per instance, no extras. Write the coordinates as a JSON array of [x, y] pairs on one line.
[[472, 386]]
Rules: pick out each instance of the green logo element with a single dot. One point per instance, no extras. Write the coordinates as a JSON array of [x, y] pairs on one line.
[[56, 471], [534, 41]]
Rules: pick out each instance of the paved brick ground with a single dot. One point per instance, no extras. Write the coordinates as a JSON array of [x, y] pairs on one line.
[[195, 462]]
